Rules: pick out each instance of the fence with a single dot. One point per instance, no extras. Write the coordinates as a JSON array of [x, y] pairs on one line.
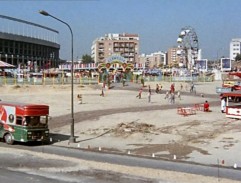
[[96, 80], [47, 81]]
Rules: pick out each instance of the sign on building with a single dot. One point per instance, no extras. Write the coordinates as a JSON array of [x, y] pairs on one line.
[[225, 64]]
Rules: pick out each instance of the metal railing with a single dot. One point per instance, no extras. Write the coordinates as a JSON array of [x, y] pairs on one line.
[[96, 80]]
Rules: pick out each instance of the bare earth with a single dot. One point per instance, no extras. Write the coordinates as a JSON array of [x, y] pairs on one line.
[[120, 122]]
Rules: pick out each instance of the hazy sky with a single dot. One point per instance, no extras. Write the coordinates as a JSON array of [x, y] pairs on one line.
[[158, 22]]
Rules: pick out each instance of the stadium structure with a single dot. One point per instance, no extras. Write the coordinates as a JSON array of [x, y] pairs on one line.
[[27, 44]]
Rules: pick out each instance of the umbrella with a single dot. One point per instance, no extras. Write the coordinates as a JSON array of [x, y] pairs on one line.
[[5, 65]]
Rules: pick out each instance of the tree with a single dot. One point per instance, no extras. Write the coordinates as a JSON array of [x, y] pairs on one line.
[[238, 57], [87, 59]]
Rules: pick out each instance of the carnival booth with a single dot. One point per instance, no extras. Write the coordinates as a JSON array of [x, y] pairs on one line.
[[116, 69], [233, 105]]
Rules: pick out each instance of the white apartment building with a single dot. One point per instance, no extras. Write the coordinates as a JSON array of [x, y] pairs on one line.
[[125, 45], [235, 48], [153, 60]]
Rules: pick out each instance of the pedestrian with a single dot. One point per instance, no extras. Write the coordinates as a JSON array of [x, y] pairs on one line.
[[123, 82], [181, 86], [192, 88], [179, 95], [172, 98], [167, 95], [102, 92], [149, 96], [172, 88], [160, 88], [223, 105], [149, 89], [206, 106], [139, 94], [157, 88], [79, 97]]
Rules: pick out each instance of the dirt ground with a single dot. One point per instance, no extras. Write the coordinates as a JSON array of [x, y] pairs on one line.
[[120, 122]]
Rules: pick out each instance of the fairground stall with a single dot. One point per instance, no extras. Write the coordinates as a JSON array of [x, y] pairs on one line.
[[231, 82], [233, 105]]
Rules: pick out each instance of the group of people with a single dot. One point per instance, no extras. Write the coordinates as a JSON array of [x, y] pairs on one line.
[[149, 93], [170, 95], [223, 105]]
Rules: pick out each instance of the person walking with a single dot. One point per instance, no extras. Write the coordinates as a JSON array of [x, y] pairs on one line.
[[181, 86], [223, 105], [149, 89], [102, 92], [172, 98], [139, 94], [167, 95], [157, 88], [179, 95], [149, 96], [172, 88]]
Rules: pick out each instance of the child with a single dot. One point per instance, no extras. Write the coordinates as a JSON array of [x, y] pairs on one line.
[[79, 97], [139, 94]]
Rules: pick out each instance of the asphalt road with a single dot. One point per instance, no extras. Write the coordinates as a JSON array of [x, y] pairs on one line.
[[23, 163]]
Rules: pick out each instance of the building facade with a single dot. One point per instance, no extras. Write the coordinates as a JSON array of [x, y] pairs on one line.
[[25, 43], [173, 57], [125, 45], [153, 60], [235, 48]]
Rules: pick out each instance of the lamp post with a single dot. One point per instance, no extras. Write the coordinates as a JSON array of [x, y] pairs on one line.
[[72, 138]]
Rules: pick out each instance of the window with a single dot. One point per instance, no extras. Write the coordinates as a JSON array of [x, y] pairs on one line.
[[19, 120]]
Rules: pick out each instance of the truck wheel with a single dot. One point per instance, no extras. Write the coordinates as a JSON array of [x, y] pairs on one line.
[[9, 138]]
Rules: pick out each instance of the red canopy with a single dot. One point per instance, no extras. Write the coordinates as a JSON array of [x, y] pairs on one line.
[[235, 74]]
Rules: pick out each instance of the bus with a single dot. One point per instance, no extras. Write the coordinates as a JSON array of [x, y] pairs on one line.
[[23, 122]]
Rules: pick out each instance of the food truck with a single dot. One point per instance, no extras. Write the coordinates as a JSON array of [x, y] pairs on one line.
[[23, 122], [233, 106]]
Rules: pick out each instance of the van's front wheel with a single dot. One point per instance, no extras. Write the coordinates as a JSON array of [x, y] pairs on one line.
[[9, 138]]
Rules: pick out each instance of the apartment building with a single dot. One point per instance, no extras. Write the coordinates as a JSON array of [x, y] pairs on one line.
[[126, 45], [235, 48], [173, 56], [153, 60]]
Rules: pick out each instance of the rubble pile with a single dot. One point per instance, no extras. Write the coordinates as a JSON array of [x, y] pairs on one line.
[[133, 127]]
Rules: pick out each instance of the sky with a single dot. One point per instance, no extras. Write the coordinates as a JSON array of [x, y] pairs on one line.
[[157, 22]]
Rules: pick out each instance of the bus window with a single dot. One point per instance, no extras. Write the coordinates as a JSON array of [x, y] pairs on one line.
[[32, 120], [44, 120], [19, 120], [35, 121]]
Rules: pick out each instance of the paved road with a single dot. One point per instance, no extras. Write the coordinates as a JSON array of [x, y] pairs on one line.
[[35, 163], [23, 167]]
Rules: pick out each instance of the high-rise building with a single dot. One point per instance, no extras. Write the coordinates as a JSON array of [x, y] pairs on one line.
[[173, 57], [126, 45], [235, 48]]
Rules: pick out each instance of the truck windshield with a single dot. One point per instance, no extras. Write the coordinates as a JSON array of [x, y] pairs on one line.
[[36, 121]]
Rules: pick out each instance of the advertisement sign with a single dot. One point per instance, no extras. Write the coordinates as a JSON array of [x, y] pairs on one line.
[[225, 64], [202, 65]]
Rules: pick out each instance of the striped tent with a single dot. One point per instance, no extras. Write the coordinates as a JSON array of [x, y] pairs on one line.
[[5, 65]]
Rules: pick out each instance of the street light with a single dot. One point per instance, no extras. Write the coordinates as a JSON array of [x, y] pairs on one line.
[[72, 137]]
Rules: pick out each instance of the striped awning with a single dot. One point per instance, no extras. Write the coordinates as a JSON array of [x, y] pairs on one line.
[[4, 65]]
